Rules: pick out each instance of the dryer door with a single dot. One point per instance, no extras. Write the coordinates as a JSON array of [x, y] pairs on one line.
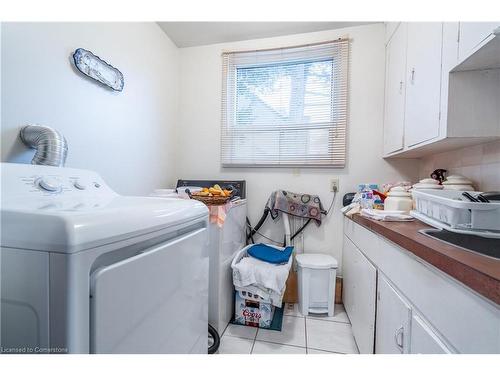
[[154, 302]]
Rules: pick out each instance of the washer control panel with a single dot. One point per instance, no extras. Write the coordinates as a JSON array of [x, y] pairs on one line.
[[60, 184], [26, 180], [51, 184], [79, 184]]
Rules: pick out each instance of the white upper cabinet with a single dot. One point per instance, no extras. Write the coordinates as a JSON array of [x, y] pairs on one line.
[[440, 102], [449, 60], [472, 34], [395, 88], [390, 28], [423, 79]]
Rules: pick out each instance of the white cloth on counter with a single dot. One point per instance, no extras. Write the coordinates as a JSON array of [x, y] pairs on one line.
[[252, 271], [381, 215]]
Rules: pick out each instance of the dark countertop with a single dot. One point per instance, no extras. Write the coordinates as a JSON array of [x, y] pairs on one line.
[[477, 271]]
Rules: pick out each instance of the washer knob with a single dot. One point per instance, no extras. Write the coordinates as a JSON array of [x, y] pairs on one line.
[[79, 185], [51, 184]]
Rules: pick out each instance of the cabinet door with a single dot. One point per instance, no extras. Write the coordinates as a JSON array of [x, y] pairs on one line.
[[390, 28], [394, 103], [449, 61], [472, 34], [423, 340], [359, 283], [423, 82], [393, 320]]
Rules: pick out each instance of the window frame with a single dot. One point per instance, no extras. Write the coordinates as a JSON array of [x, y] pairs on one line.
[[336, 154]]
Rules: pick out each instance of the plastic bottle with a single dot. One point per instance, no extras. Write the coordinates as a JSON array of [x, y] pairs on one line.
[[367, 197]]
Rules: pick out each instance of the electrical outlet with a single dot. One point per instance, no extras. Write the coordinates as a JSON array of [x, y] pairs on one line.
[[334, 184]]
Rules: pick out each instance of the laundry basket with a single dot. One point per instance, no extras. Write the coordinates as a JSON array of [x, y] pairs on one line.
[[275, 298], [254, 305]]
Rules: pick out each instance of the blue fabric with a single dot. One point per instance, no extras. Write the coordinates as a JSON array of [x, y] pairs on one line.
[[270, 254]]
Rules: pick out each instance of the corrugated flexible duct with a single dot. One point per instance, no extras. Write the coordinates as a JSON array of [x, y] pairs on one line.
[[50, 145]]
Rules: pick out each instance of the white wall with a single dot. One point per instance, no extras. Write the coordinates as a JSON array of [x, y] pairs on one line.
[[127, 137], [199, 130], [166, 123], [480, 163]]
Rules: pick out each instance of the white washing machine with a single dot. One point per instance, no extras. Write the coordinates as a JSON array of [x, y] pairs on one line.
[[85, 270]]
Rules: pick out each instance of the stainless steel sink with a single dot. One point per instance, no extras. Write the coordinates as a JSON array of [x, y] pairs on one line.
[[484, 246]]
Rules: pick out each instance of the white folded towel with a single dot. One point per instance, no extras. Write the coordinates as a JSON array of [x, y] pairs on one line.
[[385, 215], [251, 271]]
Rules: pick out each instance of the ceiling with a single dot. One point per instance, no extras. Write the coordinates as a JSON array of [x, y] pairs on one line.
[[189, 34]]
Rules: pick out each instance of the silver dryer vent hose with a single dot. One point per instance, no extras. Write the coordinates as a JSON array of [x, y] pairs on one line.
[[51, 147]]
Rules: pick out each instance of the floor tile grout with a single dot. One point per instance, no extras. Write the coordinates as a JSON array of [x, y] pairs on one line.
[[254, 339], [329, 321], [305, 331], [253, 344], [276, 345], [326, 351], [297, 346]]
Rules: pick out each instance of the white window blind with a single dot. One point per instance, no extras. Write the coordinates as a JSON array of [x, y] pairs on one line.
[[285, 107]]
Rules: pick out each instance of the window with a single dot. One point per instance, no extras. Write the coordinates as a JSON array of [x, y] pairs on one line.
[[285, 107]]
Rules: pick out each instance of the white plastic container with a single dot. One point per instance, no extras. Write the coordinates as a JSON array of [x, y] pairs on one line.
[[427, 183], [459, 187], [398, 199], [450, 208], [457, 182], [316, 279]]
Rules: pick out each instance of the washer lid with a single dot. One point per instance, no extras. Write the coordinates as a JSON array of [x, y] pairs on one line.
[[50, 224], [316, 261]]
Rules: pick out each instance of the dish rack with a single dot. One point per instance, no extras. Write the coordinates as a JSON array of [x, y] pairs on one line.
[[448, 209]]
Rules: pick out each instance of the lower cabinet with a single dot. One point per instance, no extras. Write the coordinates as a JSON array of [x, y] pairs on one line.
[[423, 340], [399, 329], [393, 320], [360, 287], [400, 304]]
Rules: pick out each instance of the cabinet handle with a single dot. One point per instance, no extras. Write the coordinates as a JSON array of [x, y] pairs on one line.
[[397, 335], [400, 87], [412, 76]]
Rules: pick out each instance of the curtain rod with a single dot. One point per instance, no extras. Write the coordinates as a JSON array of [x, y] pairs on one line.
[[344, 39]]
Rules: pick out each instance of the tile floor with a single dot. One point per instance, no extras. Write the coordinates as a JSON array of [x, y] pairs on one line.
[[314, 334]]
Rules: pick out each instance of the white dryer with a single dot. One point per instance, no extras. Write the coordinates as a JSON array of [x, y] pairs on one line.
[[85, 270], [224, 243]]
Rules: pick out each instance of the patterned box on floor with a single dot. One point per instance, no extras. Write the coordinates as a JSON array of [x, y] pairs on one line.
[[252, 310]]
